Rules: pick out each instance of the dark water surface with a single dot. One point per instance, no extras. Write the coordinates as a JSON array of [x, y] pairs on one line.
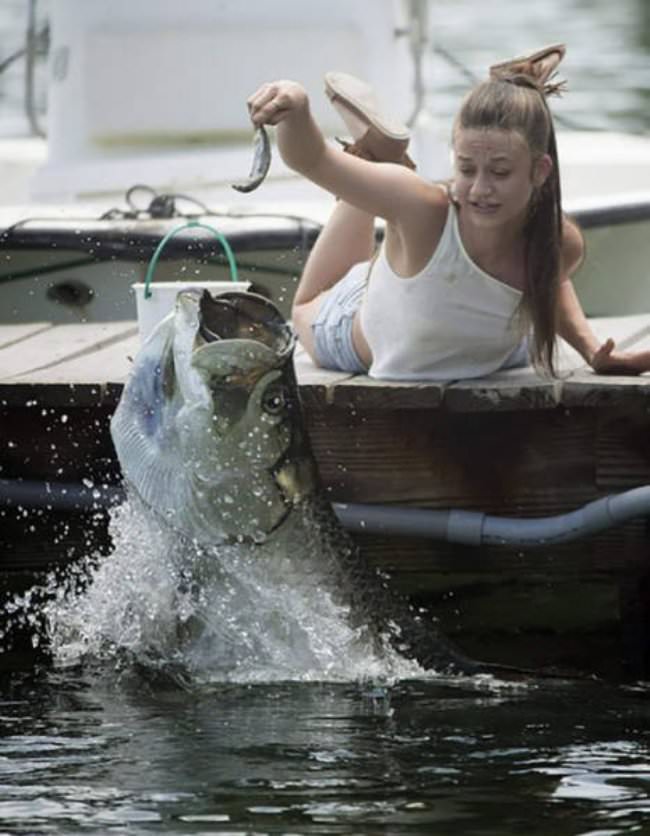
[[286, 724], [90, 756]]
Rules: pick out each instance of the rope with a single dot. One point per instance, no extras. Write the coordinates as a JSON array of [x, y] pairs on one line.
[[31, 51], [164, 205]]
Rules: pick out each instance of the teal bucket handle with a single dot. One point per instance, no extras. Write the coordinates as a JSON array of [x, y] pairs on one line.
[[154, 258]]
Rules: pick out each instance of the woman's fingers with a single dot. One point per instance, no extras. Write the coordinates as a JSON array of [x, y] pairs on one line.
[[608, 361], [606, 348], [259, 102], [602, 353], [272, 102]]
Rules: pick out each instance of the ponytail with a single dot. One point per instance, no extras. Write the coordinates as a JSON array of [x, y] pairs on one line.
[[517, 102]]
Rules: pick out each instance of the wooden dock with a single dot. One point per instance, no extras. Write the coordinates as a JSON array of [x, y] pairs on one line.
[[513, 444]]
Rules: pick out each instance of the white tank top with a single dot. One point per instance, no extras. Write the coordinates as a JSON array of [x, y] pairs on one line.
[[451, 320]]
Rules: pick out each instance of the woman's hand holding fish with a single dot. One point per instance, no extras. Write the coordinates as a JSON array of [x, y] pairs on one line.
[[285, 104], [272, 103]]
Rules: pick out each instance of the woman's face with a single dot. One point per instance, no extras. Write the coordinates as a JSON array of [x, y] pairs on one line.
[[494, 175]]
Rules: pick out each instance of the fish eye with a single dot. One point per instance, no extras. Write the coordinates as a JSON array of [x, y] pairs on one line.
[[274, 399]]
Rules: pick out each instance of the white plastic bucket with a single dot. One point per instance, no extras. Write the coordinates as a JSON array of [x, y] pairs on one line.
[[160, 302], [155, 301]]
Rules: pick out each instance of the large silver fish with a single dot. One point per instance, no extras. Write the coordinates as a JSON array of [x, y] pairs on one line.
[[209, 433]]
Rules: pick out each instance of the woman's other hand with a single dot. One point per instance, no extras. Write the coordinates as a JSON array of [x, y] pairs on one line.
[[606, 360]]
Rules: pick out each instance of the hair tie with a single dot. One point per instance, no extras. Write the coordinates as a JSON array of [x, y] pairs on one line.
[[535, 70], [555, 88], [524, 79]]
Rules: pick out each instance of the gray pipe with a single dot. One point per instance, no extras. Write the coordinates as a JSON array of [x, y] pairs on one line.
[[58, 496], [475, 528], [469, 527]]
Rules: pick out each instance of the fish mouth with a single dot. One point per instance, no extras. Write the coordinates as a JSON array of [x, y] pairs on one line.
[[234, 315]]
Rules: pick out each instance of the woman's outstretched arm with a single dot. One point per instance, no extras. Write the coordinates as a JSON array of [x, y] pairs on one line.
[[574, 327], [386, 190]]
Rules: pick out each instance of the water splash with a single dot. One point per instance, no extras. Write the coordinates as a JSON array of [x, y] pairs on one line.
[[208, 615]]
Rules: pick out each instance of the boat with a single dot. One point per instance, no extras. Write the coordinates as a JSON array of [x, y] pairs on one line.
[[513, 446]]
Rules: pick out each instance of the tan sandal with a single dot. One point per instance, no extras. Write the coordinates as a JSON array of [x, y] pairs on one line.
[[540, 64], [359, 149], [376, 135]]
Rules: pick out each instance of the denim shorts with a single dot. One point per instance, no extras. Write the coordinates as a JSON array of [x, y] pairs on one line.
[[332, 328]]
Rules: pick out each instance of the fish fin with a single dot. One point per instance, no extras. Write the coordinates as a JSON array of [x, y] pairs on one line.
[[154, 477], [138, 426]]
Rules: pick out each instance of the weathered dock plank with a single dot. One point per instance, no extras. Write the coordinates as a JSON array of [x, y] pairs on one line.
[[12, 334], [66, 354], [85, 355], [106, 361], [512, 389], [65, 365]]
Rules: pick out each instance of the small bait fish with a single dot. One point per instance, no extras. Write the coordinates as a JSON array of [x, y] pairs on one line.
[[261, 162]]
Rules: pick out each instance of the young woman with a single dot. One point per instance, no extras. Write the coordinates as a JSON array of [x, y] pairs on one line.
[[473, 276]]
